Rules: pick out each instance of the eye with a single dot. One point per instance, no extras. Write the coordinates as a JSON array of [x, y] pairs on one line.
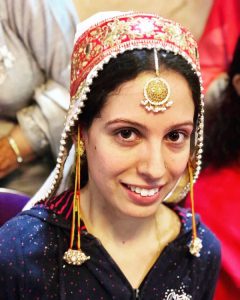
[[176, 136], [127, 135]]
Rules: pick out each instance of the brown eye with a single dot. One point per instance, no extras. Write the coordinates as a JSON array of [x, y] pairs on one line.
[[174, 136], [126, 133]]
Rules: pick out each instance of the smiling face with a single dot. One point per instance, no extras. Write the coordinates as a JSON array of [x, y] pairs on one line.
[[135, 157]]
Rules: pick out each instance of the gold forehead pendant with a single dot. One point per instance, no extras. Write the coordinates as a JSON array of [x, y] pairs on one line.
[[156, 92]]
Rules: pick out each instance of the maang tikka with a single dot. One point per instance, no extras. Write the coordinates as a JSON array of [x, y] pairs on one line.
[[156, 91]]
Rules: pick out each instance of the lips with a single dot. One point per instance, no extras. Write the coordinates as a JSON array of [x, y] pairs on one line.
[[144, 192], [142, 195]]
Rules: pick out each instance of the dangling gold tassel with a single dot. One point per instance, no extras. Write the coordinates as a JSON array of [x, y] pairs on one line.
[[196, 243], [76, 256]]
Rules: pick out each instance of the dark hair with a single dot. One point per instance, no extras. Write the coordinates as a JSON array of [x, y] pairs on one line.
[[222, 127], [126, 67]]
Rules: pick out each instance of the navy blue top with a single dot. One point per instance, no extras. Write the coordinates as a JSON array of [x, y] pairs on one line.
[[32, 246]]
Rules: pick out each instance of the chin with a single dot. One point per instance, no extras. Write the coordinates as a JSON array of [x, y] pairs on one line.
[[137, 211]]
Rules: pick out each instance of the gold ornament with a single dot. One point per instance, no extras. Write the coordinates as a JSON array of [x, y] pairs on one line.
[[75, 257], [195, 246], [80, 148], [156, 92]]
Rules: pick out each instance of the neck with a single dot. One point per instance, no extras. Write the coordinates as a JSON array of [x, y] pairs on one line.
[[125, 237], [108, 224], [119, 227]]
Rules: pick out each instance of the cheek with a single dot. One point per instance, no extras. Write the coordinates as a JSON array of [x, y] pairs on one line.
[[177, 163], [102, 162]]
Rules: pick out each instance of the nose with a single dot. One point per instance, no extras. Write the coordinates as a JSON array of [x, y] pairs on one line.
[[151, 163]]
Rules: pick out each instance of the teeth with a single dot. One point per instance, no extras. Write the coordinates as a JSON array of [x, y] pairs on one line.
[[143, 192]]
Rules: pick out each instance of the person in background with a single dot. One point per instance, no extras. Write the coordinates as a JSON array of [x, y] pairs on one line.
[[111, 229], [217, 191], [36, 40], [216, 47]]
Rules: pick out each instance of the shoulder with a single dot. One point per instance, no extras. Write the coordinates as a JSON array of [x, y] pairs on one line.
[[55, 6], [29, 244], [28, 235], [211, 249], [63, 12], [211, 245], [19, 228], [17, 240], [26, 15], [24, 231]]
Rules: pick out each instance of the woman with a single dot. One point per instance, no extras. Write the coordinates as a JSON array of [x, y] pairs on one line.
[[218, 185], [107, 234], [36, 40]]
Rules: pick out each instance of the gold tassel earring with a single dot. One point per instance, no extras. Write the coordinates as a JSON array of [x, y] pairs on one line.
[[76, 256], [196, 243]]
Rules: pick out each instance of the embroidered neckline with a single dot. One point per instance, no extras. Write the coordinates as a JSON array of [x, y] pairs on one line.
[[62, 205]]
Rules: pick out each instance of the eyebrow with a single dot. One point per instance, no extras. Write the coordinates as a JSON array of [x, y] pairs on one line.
[[136, 124], [187, 123], [115, 121]]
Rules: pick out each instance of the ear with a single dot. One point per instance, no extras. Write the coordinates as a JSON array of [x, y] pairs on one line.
[[82, 136], [236, 83], [74, 138]]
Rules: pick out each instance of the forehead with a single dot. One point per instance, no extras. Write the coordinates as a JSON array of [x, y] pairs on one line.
[[126, 100]]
